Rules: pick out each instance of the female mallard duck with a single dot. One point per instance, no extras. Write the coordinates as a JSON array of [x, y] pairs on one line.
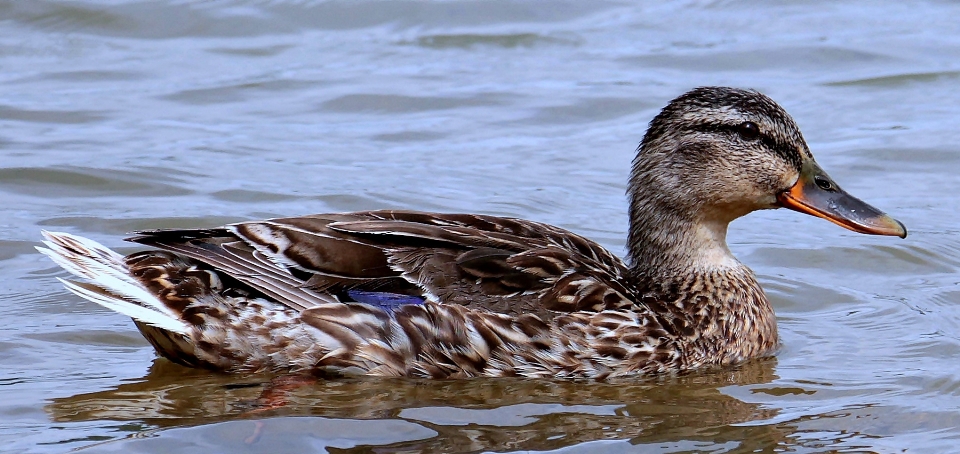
[[404, 293]]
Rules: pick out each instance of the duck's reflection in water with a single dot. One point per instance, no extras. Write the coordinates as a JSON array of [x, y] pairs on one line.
[[467, 415]]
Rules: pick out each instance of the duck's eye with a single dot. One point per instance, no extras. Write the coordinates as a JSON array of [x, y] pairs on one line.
[[823, 183], [748, 130]]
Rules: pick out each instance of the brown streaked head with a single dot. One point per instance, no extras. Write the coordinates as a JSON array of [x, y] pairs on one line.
[[714, 154]]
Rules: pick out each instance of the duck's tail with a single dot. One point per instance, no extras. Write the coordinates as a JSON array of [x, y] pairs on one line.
[[111, 284]]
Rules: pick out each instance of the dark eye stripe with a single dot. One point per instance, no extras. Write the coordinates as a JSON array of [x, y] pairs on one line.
[[782, 149]]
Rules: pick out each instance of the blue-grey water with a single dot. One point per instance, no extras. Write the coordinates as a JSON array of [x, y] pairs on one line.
[[125, 115]]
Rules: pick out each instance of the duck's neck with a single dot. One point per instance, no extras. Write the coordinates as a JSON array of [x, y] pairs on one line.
[[684, 264], [665, 245]]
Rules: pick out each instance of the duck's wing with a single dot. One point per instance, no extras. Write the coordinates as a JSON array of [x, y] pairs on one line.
[[499, 264]]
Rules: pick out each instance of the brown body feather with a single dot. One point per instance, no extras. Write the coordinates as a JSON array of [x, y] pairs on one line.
[[504, 297]]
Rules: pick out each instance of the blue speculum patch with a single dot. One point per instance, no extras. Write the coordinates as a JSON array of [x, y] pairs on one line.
[[384, 300]]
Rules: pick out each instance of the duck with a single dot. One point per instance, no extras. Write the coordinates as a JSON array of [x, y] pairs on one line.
[[401, 293]]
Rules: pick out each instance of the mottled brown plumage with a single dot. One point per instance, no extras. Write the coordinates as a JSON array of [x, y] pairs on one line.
[[489, 296]]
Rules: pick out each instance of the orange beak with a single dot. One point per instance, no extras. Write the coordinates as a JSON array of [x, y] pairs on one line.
[[816, 194]]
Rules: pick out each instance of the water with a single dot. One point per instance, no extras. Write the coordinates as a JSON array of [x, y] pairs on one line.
[[124, 115]]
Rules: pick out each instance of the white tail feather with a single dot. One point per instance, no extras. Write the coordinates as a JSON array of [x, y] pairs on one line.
[[108, 300], [112, 286]]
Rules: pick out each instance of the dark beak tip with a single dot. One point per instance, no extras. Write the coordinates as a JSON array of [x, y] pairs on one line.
[[903, 228], [887, 225]]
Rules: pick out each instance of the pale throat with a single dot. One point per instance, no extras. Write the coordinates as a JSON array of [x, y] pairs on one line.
[[708, 248], [690, 248]]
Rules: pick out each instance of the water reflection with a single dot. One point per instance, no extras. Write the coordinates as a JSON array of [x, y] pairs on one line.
[[460, 415]]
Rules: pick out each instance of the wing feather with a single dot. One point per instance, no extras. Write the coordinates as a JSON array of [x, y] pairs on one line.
[[499, 264]]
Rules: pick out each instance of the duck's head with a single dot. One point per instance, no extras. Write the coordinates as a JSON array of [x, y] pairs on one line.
[[715, 154]]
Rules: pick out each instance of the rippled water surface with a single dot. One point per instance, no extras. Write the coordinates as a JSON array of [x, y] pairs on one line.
[[124, 115]]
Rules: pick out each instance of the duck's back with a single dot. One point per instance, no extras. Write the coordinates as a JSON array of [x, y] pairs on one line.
[[503, 265]]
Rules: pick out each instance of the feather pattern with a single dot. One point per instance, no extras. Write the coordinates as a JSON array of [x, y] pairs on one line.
[[406, 293], [475, 298]]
